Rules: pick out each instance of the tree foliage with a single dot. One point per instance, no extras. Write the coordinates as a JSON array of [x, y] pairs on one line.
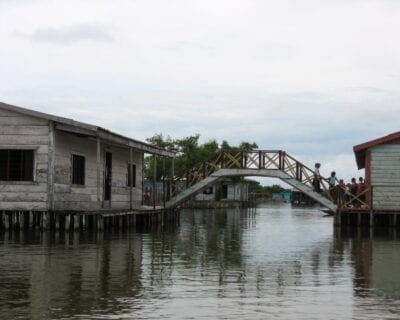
[[189, 153], [268, 191]]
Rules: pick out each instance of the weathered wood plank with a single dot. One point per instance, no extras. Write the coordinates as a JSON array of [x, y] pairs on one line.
[[24, 130], [42, 187], [23, 140], [23, 197], [22, 120], [39, 206]]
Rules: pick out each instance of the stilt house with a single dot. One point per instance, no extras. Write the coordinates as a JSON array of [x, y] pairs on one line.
[[50, 163], [381, 160]]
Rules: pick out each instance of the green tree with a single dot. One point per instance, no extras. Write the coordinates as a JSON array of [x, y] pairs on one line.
[[189, 153]]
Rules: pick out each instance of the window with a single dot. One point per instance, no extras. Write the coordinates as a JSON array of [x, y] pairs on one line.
[[78, 169], [208, 191], [16, 165], [131, 168]]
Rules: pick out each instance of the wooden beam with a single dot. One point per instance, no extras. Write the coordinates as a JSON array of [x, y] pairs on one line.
[[50, 164], [131, 179], [98, 167]]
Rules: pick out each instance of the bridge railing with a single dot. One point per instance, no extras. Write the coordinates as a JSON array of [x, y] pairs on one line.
[[254, 159]]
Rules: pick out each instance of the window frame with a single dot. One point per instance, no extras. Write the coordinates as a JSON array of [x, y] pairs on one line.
[[21, 180], [129, 166], [73, 182]]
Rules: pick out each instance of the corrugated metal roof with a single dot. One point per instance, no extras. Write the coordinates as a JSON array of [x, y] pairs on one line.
[[90, 129]]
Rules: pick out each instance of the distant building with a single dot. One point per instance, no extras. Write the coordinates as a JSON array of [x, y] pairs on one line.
[[301, 198], [50, 163], [381, 160], [285, 196], [227, 191]]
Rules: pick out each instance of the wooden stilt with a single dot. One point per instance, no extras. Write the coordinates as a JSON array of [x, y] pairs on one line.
[[12, 220], [100, 222], [57, 221], [46, 221], [22, 220], [30, 220], [76, 222], [6, 221], [67, 222]]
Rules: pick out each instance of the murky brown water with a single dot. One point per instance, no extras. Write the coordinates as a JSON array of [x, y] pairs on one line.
[[277, 262]]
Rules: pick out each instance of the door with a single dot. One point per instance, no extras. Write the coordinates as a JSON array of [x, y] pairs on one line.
[[108, 177]]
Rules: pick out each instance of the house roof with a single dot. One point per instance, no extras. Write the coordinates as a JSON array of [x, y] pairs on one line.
[[90, 130], [360, 149]]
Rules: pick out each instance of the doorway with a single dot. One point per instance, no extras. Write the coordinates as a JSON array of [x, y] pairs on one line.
[[108, 177]]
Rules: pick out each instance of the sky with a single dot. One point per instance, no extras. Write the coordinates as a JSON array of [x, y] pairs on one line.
[[313, 78]]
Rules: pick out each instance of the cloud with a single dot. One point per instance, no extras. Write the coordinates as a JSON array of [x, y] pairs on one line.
[[70, 34]]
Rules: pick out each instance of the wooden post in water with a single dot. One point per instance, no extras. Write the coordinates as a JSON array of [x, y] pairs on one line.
[[371, 212], [30, 220], [131, 179], [57, 221], [6, 221], [163, 182], [98, 169], [67, 222], [76, 222], [100, 222], [154, 181]]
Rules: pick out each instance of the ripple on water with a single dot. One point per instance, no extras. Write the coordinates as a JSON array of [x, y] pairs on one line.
[[277, 262]]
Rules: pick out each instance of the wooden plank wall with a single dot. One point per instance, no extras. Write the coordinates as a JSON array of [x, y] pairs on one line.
[[20, 131], [72, 197], [385, 176]]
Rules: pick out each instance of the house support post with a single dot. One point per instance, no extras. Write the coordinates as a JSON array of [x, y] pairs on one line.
[[57, 221], [130, 179], [371, 212], [30, 220], [50, 175], [76, 222], [6, 221], [98, 165], [67, 222], [154, 181], [163, 182], [172, 183], [100, 222]]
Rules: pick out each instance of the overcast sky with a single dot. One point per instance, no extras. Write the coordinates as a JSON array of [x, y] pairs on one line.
[[313, 78]]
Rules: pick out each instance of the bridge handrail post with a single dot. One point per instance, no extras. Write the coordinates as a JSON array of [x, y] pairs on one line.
[[280, 160], [282, 155]]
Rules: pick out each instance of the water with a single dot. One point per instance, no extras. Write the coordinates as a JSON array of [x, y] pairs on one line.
[[277, 262]]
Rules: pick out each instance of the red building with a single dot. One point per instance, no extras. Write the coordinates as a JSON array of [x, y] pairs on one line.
[[381, 160]]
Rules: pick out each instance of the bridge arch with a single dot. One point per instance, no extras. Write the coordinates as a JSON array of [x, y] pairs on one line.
[[261, 163]]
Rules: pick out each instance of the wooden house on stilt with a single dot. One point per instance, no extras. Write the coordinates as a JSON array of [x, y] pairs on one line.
[[51, 164]]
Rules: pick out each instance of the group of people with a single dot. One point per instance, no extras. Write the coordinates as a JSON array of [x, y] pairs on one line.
[[351, 194]]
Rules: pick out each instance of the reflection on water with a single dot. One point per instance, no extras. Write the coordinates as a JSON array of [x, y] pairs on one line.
[[273, 262]]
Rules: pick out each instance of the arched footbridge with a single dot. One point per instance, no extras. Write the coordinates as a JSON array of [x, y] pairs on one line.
[[261, 163]]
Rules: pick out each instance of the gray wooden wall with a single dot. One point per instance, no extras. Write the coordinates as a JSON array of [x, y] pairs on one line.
[[24, 132], [385, 176], [73, 197]]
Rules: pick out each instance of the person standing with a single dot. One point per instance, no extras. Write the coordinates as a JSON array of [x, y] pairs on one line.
[[317, 178], [332, 182]]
